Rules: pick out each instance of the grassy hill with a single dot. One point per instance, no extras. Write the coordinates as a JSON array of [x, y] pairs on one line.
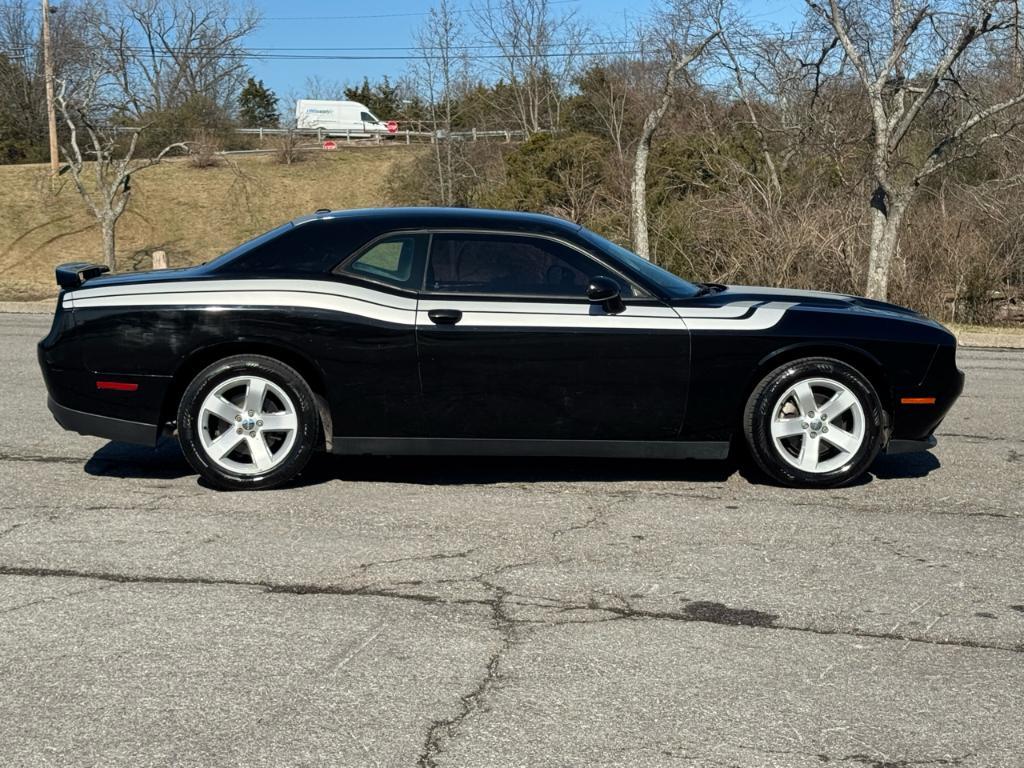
[[191, 213]]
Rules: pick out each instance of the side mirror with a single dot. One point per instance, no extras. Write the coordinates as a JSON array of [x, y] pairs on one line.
[[606, 292]]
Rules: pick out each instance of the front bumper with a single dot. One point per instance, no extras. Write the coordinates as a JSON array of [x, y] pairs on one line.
[[910, 446], [108, 427]]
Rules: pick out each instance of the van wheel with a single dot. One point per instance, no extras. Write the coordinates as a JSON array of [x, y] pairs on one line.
[[815, 422], [248, 422]]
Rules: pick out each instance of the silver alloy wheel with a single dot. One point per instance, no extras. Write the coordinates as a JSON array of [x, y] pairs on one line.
[[248, 425], [818, 425]]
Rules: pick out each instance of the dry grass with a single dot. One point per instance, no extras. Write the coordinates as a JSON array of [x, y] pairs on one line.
[[191, 213]]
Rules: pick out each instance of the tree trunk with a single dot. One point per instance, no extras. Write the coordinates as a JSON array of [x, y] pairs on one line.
[[886, 217], [641, 243], [678, 62], [107, 227]]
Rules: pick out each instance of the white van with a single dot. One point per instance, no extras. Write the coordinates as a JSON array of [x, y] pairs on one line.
[[338, 117]]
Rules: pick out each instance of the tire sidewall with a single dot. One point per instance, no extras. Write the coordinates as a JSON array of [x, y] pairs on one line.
[[244, 365], [760, 411]]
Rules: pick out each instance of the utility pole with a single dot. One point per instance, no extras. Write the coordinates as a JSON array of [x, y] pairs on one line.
[[51, 113]]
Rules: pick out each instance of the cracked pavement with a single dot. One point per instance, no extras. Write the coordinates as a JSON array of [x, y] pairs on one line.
[[472, 612]]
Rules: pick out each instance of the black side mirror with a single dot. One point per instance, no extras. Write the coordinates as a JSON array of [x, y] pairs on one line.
[[606, 292]]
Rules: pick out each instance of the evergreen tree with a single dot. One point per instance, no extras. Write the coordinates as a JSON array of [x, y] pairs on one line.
[[382, 99], [257, 106]]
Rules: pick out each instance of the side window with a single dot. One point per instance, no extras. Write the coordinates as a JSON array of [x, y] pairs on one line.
[[366, 117], [510, 264], [397, 260]]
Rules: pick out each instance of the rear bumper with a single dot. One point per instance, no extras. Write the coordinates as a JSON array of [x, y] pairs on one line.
[[108, 427]]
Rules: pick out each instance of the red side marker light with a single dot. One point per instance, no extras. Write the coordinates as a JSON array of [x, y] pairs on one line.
[[917, 401], [118, 386]]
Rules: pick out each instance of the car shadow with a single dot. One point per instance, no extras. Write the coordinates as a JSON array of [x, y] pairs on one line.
[[904, 466], [166, 462], [489, 470]]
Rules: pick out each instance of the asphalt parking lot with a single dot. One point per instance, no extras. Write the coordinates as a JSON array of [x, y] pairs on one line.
[[452, 612]]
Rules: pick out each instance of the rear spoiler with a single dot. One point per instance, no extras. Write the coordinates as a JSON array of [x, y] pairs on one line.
[[74, 274]]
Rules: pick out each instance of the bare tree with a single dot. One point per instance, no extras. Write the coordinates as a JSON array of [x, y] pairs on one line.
[[537, 52], [22, 89], [167, 51], [109, 153], [739, 44], [909, 58], [684, 41], [319, 87], [440, 73]]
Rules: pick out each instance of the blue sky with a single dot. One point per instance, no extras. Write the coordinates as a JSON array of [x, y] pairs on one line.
[[345, 24]]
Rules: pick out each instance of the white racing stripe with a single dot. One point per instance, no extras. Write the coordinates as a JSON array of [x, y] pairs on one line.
[[244, 289], [764, 317], [400, 310], [258, 298]]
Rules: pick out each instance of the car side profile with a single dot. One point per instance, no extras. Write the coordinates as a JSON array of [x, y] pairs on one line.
[[470, 332]]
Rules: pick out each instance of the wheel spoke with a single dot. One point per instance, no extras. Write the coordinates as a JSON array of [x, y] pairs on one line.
[[280, 422], [255, 394], [841, 439], [224, 444], [804, 398], [221, 408], [839, 403], [260, 453], [809, 452], [782, 428]]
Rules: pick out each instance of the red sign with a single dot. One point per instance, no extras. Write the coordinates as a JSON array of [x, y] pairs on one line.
[[329, 144], [392, 126]]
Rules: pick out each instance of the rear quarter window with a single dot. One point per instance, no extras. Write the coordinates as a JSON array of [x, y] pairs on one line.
[[313, 247]]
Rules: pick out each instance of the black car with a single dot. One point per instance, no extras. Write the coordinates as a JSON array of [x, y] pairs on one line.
[[469, 332]]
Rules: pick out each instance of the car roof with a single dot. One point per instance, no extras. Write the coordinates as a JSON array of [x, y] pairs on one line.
[[454, 218]]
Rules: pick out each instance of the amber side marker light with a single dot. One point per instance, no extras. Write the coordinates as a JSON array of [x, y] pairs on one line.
[[917, 401], [117, 386]]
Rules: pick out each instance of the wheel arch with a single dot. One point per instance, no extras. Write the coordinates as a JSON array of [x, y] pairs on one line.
[[199, 359], [852, 355]]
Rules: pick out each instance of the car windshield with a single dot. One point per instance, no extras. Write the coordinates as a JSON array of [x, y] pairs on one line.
[[672, 286]]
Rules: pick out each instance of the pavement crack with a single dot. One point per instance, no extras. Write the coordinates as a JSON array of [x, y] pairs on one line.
[[37, 459], [873, 762], [441, 731], [596, 520], [267, 586], [717, 613], [55, 598], [11, 529], [419, 558], [695, 611], [976, 438]]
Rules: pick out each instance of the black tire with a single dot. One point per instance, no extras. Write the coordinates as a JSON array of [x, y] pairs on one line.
[[759, 413], [294, 386]]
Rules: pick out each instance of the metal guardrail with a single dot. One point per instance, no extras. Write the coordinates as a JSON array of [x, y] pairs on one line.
[[322, 134]]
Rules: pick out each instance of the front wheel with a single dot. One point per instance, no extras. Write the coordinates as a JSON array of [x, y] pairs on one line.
[[248, 422], [815, 422]]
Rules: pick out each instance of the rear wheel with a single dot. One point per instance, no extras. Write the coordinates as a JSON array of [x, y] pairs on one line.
[[248, 422], [815, 422]]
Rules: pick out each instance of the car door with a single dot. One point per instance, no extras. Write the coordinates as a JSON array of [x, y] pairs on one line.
[[510, 346], [370, 360]]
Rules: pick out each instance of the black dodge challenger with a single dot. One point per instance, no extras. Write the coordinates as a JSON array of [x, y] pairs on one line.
[[469, 332]]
